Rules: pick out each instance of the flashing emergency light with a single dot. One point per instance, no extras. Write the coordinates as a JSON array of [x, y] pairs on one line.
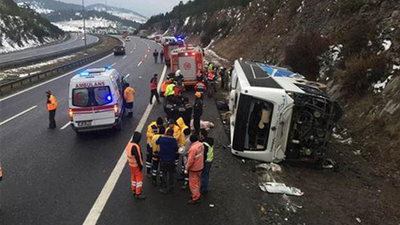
[[186, 54], [109, 97], [84, 73], [108, 67]]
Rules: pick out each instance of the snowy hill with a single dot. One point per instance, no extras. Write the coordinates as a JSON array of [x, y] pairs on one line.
[[21, 28], [43, 6], [120, 12]]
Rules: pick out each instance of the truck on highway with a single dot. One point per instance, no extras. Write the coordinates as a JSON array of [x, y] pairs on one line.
[[168, 47], [188, 59], [278, 115], [124, 34], [95, 100]]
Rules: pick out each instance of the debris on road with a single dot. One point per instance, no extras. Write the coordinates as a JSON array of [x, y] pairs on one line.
[[211, 205], [358, 220], [269, 166], [279, 188]]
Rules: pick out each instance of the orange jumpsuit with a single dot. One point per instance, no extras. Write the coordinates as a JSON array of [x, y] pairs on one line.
[[195, 165]]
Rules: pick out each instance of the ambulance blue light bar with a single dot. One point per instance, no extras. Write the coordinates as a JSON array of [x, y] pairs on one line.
[[108, 67], [84, 73]]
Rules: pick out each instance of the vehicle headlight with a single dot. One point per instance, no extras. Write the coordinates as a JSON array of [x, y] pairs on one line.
[[317, 114]]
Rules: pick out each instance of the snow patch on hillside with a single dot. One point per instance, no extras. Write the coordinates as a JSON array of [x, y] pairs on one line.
[[76, 25], [37, 7]]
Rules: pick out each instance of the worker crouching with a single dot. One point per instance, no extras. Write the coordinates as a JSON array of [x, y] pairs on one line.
[[136, 165]]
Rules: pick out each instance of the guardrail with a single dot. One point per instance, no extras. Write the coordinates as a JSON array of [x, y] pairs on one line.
[[35, 59], [7, 87]]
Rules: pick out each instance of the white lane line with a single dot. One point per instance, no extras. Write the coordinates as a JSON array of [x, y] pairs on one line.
[[56, 78], [112, 65], [134, 46], [124, 57], [65, 126], [140, 63], [126, 76], [131, 52], [19, 114], [105, 193]]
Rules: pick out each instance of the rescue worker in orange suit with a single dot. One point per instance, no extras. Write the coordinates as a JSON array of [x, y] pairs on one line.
[[179, 88], [129, 96], [136, 165], [51, 107], [153, 129], [155, 159], [199, 75], [194, 167], [197, 111], [153, 88]]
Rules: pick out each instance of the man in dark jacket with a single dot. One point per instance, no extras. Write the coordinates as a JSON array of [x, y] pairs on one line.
[[155, 54], [161, 55], [168, 151], [197, 111]]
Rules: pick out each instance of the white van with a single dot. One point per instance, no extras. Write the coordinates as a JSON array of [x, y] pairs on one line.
[[168, 39], [278, 115], [96, 100]]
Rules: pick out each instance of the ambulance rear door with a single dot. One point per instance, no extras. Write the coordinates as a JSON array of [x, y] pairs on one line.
[[187, 65], [103, 99]]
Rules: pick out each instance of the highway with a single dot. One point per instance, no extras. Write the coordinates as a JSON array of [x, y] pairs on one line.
[[57, 177], [74, 42]]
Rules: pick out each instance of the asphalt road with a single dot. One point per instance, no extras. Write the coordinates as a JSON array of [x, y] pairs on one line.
[[55, 176], [74, 42]]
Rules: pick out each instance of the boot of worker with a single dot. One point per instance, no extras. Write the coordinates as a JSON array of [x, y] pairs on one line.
[[140, 196]]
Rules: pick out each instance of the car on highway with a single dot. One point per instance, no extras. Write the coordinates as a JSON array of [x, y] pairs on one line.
[[95, 100], [119, 50]]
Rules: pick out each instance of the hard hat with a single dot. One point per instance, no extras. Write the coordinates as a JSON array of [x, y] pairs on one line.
[[197, 94], [178, 72]]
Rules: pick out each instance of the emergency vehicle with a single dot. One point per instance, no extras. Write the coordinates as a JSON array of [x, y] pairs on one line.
[[189, 60], [157, 38], [96, 100], [278, 115], [168, 47]]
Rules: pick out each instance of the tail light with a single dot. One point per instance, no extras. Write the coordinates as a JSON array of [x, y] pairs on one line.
[[116, 110], [70, 114]]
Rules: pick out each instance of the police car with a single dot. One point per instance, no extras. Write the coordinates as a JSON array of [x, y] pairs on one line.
[[96, 100]]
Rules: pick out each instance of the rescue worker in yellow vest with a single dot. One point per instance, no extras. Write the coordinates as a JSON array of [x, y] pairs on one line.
[[169, 92], [155, 160], [153, 129], [129, 96], [51, 107], [184, 134], [136, 165], [208, 159]]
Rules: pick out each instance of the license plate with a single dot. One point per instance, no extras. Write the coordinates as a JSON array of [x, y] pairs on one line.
[[84, 123]]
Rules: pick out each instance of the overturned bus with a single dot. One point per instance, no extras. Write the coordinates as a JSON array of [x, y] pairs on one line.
[[278, 115]]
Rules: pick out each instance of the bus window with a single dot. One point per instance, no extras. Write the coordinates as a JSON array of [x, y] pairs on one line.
[[253, 122]]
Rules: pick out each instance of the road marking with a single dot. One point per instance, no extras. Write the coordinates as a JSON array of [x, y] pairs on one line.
[[105, 193], [112, 65], [124, 57], [140, 63], [56, 78], [19, 114], [131, 52], [126, 76], [65, 126]]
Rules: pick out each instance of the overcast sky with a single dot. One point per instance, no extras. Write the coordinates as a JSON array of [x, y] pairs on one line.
[[145, 7]]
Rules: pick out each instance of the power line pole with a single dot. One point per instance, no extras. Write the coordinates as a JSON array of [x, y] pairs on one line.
[[84, 25]]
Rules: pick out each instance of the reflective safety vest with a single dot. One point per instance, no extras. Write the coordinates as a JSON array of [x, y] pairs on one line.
[[170, 90], [152, 130], [210, 152], [211, 76], [164, 86], [53, 103], [129, 94], [200, 87], [131, 158]]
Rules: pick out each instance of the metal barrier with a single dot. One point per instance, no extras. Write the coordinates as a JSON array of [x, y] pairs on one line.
[[7, 87]]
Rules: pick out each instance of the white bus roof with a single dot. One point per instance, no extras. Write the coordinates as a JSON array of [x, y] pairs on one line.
[[253, 74]]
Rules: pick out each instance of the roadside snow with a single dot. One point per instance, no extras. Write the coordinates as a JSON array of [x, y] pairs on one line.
[[386, 44], [186, 21], [10, 46], [76, 25], [380, 86]]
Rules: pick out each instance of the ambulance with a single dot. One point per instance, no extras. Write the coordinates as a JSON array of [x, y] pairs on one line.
[[95, 100], [189, 60]]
